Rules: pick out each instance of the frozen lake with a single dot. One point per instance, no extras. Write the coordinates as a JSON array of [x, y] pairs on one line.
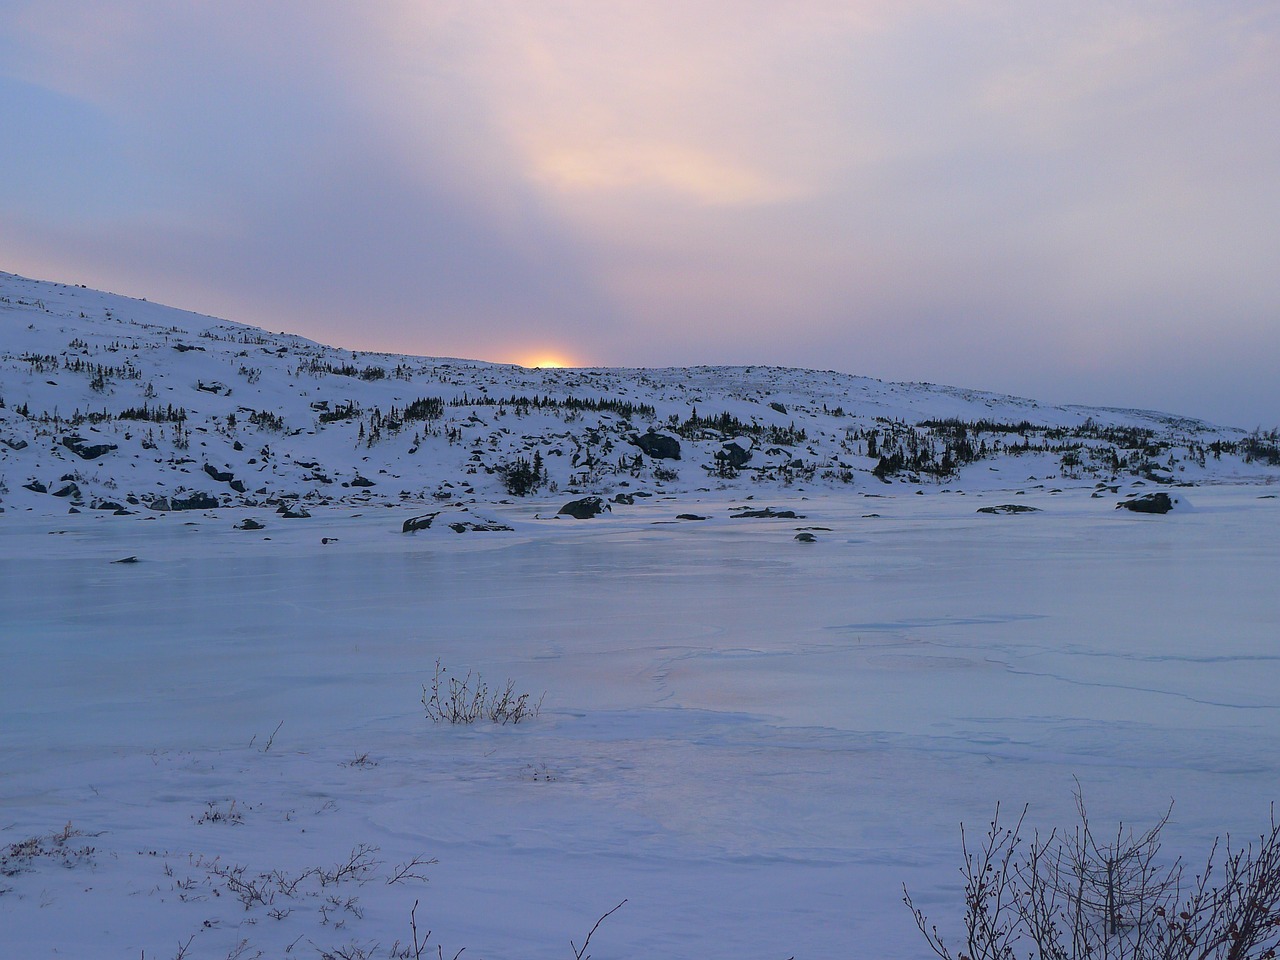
[[753, 740]]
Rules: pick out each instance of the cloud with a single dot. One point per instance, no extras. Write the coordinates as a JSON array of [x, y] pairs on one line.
[[999, 194]]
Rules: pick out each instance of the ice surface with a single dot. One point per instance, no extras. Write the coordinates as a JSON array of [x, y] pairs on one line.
[[755, 742]]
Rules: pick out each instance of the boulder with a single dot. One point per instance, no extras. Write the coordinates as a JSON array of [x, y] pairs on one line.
[[35, 486], [360, 481], [660, 446], [85, 450], [584, 509], [735, 454], [768, 512], [222, 476], [471, 526], [805, 538], [414, 524], [626, 499], [198, 500], [248, 523], [68, 490], [1149, 503], [690, 516], [1009, 508]]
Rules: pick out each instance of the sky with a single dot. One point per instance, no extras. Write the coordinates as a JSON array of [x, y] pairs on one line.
[[1077, 202]]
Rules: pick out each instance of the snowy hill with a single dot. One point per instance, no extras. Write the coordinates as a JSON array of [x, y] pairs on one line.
[[112, 403]]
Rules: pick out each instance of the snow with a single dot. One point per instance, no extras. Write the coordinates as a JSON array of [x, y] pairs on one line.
[[755, 742]]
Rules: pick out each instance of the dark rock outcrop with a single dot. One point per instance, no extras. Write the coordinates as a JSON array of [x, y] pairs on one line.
[[194, 501], [734, 455], [584, 509], [768, 512], [35, 486], [1009, 508], [1149, 503], [85, 450], [414, 524], [471, 526], [248, 523], [660, 446], [222, 476]]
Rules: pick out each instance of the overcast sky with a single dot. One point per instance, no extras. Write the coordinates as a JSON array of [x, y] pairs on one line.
[[1078, 202]]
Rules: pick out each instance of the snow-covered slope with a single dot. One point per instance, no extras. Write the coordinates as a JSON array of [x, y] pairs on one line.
[[111, 403]]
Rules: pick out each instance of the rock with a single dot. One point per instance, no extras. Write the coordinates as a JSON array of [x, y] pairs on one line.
[[248, 523], [360, 481], [15, 444], [35, 486], [68, 490], [660, 446], [195, 501], [734, 454], [1149, 503], [805, 538], [414, 524], [1009, 508], [689, 516], [775, 405], [295, 514], [126, 560], [584, 509], [221, 476], [464, 527], [626, 499], [85, 450], [768, 512], [238, 486], [107, 505]]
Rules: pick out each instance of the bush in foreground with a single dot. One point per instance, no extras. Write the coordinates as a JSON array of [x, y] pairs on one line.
[[1073, 895]]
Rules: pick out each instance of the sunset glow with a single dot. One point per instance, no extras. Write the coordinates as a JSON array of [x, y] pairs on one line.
[[959, 193], [546, 361]]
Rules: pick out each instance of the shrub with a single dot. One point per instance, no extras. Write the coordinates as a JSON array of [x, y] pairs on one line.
[[1072, 895], [465, 701]]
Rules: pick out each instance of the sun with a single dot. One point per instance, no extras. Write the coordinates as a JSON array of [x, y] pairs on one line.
[[546, 361]]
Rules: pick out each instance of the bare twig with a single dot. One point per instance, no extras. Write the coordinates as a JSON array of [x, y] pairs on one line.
[[581, 953]]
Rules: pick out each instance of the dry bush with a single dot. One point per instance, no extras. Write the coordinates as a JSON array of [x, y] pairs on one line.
[[451, 700], [1074, 896]]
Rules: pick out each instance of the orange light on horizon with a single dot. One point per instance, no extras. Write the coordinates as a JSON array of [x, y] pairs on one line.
[[546, 361]]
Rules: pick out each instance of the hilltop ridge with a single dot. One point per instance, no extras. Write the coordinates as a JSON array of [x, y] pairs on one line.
[[114, 403]]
